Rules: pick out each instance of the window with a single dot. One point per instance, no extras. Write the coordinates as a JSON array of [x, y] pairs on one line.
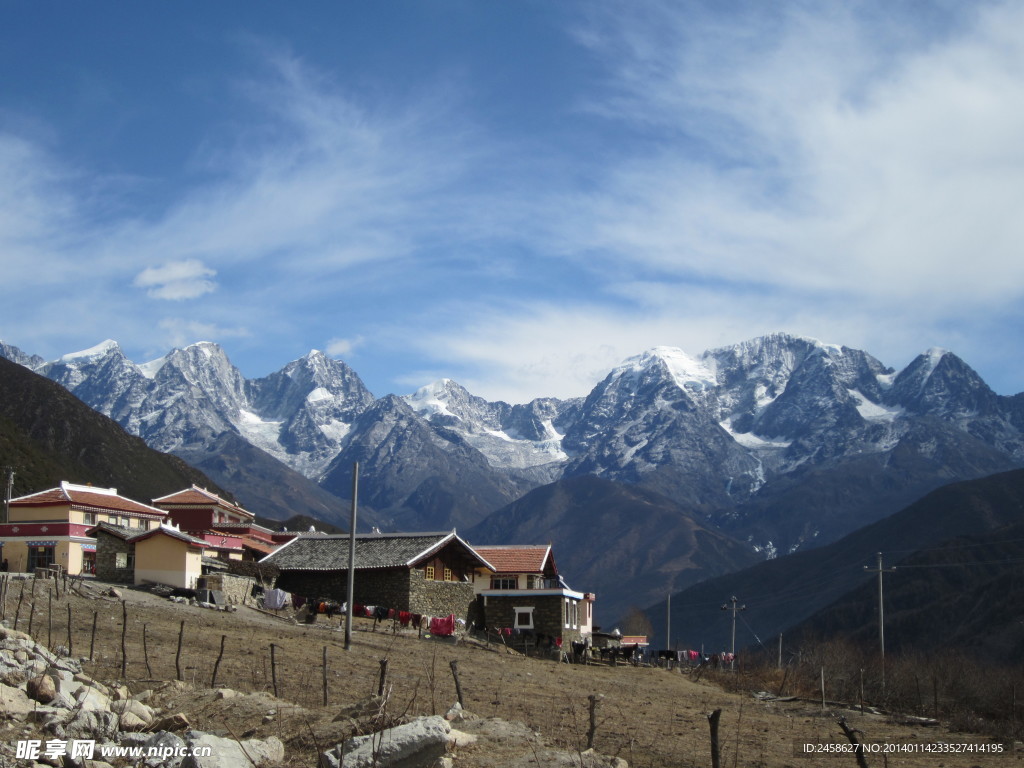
[[504, 582], [428, 573], [124, 560], [524, 618], [447, 574], [89, 518]]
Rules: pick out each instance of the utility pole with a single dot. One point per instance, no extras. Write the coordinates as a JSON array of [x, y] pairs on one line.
[[881, 612], [668, 622], [8, 492], [352, 558], [735, 610]]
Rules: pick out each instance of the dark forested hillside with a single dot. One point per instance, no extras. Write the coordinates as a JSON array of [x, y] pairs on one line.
[[784, 592], [48, 435]]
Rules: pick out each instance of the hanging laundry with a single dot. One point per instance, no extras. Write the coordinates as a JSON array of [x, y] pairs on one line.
[[443, 627], [274, 599], [404, 617]]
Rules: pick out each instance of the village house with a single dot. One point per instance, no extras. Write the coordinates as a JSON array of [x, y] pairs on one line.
[[161, 555], [229, 530], [422, 573], [526, 594], [50, 528]]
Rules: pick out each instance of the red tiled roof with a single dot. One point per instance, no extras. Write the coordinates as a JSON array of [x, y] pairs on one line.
[[200, 496], [516, 559], [86, 496]]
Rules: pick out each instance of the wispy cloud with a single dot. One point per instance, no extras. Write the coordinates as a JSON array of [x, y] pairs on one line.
[[794, 149], [178, 280]]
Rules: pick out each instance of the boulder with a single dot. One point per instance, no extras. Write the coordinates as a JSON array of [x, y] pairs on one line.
[[228, 753], [166, 749], [14, 703], [131, 722], [175, 722], [41, 689], [413, 745]]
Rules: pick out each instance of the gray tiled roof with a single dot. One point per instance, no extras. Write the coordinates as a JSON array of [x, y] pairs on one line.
[[322, 552]]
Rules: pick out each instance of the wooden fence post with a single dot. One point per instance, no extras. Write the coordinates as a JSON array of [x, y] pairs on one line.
[[92, 639], [458, 686], [383, 677], [216, 666], [177, 656], [592, 732], [325, 675], [124, 639], [716, 757], [145, 652], [273, 668], [71, 650]]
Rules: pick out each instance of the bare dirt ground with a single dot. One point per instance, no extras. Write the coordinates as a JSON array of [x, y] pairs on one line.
[[650, 717]]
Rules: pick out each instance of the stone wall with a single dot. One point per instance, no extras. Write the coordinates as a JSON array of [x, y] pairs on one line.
[[548, 614], [107, 549], [398, 588], [237, 589]]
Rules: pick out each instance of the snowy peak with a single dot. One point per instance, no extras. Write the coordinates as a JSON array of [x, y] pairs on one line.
[[688, 374], [101, 350]]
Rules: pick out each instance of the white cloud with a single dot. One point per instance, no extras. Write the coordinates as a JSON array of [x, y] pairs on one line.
[[343, 347], [180, 332], [177, 280], [795, 150]]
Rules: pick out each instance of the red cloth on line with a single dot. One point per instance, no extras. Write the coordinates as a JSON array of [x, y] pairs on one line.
[[443, 627]]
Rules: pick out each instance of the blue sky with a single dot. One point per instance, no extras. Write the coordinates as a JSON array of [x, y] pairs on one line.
[[517, 195]]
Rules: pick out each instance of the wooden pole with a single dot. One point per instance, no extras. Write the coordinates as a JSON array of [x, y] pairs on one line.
[[458, 686], [177, 656], [71, 650], [17, 611], [855, 741], [592, 731], [823, 689], [325, 675], [145, 653], [92, 639], [383, 677], [351, 587], [49, 620], [31, 612], [273, 668], [716, 758], [216, 666], [124, 639]]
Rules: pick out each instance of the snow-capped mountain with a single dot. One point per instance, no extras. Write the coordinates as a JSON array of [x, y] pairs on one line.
[[783, 440]]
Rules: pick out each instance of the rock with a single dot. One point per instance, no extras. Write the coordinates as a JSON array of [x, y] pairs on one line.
[[120, 693], [175, 722], [41, 689], [166, 749], [145, 695], [131, 722], [225, 693], [90, 698], [133, 707], [228, 753], [420, 742], [92, 724], [113, 592], [14, 703], [455, 713], [460, 739]]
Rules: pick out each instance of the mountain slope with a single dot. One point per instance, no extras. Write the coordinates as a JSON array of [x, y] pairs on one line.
[[780, 593], [48, 435], [627, 544]]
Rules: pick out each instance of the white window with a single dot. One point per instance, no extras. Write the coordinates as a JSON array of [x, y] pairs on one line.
[[503, 581], [524, 617]]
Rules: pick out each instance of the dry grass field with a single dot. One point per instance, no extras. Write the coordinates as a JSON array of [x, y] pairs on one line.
[[650, 717]]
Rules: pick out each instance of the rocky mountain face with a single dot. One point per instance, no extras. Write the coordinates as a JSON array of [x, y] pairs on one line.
[[783, 442]]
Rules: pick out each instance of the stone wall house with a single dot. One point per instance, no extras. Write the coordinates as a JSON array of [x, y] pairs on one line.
[[163, 555], [424, 573], [526, 594]]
